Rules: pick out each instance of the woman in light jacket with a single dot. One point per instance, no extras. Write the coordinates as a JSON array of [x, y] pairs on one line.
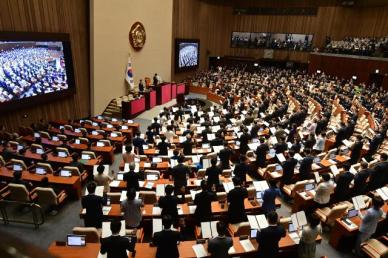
[[307, 244]]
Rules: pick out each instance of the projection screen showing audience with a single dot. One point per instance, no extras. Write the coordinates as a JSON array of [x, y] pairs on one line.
[[188, 54], [31, 68]]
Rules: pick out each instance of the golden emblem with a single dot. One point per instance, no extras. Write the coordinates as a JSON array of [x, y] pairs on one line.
[[137, 36]]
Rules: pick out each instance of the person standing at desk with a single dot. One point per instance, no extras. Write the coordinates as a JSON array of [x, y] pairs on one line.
[[131, 207], [131, 178], [138, 143], [166, 240], [116, 246], [141, 86], [342, 190], [269, 197], [169, 203], [288, 168], [163, 146], [235, 198], [369, 222], [307, 244], [268, 238], [241, 169], [93, 205], [306, 166], [356, 150], [180, 174], [219, 246], [101, 179], [225, 154], [261, 153], [188, 145], [323, 191], [203, 201], [379, 174], [213, 174], [128, 156]]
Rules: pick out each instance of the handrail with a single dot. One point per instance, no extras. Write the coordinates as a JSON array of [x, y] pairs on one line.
[[37, 213]]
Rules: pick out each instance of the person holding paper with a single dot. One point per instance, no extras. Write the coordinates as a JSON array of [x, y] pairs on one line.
[[306, 165], [356, 149], [138, 143], [163, 146], [242, 168], [213, 174], [169, 203], [225, 154], [116, 246], [268, 238], [379, 175], [131, 178], [93, 205], [307, 244], [288, 168], [244, 140], [180, 174], [188, 145], [360, 180], [261, 153], [323, 191], [235, 198], [129, 156], [166, 240], [219, 246], [102, 179], [342, 190], [270, 196], [131, 207], [204, 200], [369, 222]]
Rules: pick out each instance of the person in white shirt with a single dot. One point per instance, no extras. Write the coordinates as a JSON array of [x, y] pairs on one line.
[[320, 144], [324, 190], [169, 134], [369, 222]]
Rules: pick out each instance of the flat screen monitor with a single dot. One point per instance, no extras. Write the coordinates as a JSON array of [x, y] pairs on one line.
[[76, 240], [186, 54], [34, 68]]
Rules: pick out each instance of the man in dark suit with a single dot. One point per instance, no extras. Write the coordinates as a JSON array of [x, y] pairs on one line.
[[180, 174], [163, 146], [235, 198], [268, 238], [244, 140], [379, 174], [356, 150], [166, 240], [213, 174], [219, 246], [360, 185], [340, 136], [225, 154], [116, 246], [131, 178], [374, 145], [261, 153], [242, 168], [342, 190], [138, 143], [281, 146], [188, 145], [204, 200], [306, 165], [93, 205], [169, 203], [288, 168], [204, 134], [156, 126]]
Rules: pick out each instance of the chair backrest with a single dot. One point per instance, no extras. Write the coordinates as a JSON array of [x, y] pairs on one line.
[[63, 150], [114, 198], [148, 197], [89, 153], [44, 134], [13, 144], [18, 192], [69, 127], [19, 162], [62, 137], [2, 161], [106, 142], [46, 196], [335, 213], [243, 229], [36, 146], [251, 192], [375, 249], [143, 157], [83, 140], [201, 173], [74, 170], [271, 168], [226, 173], [221, 196], [83, 130], [91, 234], [299, 186], [47, 167]]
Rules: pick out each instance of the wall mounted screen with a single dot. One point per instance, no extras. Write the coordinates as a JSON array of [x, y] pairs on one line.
[[186, 54]]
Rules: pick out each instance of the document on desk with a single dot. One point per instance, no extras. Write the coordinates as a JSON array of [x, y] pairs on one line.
[[281, 157], [180, 209], [149, 185], [160, 188], [156, 211], [106, 229], [192, 209], [358, 202], [156, 225], [217, 149], [257, 221], [247, 245], [209, 229], [334, 170], [228, 186], [141, 183], [261, 186], [106, 210], [383, 192], [114, 183], [232, 250], [295, 237], [317, 177], [211, 136], [199, 250], [253, 146], [193, 193]]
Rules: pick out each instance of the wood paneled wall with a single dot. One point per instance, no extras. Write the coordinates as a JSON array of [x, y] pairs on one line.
[[213, 25], [62, 16]]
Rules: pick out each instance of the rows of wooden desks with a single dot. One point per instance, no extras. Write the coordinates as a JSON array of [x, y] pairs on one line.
[[341, 229], [144, 250], [72, 184]]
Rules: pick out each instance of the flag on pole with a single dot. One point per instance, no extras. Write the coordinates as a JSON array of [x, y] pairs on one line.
[[129, 75]]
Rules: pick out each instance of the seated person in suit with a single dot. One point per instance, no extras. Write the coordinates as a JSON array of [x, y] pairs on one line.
[[128, 156], [17, 179], [116, 246], [93, 205], [76, 163], [269, 197], [180, 174], [203, 201], [219, 246], [102, 179], [169, 203], [166, 240], [213, 174], [163, 146], [235, 198], [281, 146], [268, 238], [131, 207], [131, 178]]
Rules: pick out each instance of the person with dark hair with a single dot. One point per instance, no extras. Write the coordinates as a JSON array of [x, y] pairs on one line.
[[76, 163], [188, 145], [180, 174], [268, 238], [131, 207], [169, 203], [163, 146], [116, 246], [369, 222], [244, 140], [307, 244], [102, 179], [131, 178], [93, 205], [17, 179], [374, 145], [213, 172], [360, 180], [175, 154], [138, 143], [261, 153], [356, 150], [46, 184], [281, 146], [379, 174], [324, 190], [150, 134], [203, 201], [288, 168], [128, 156], [342, 190], [269, 197], [156, 126], [225, 154], [241, 169], [235, 198], [306, 165], [340, 136], [219, 246], [166, 240]]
